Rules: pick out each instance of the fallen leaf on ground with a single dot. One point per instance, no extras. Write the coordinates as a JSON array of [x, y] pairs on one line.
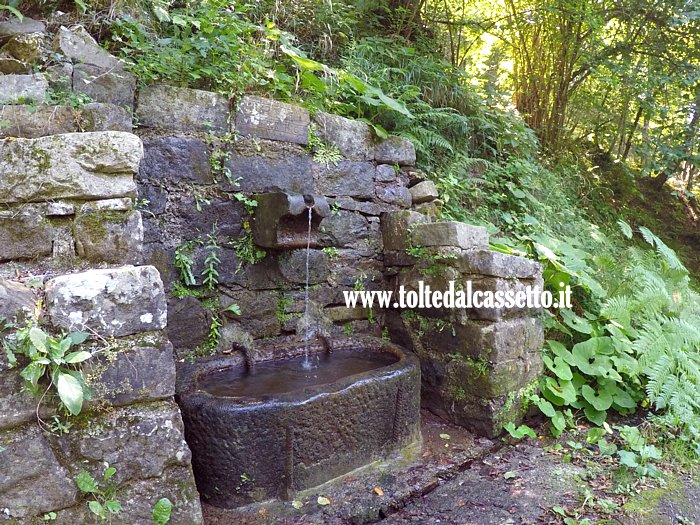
[[378, 491], [323, 501]]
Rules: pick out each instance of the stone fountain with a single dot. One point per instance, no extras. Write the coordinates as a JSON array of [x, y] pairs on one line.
[[306, 411]]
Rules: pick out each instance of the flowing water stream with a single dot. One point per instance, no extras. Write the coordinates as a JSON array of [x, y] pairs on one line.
[[307, 332]]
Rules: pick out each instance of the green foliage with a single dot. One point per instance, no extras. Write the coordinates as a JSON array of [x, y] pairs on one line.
[[633, 342], [210, 45], [52, 359], [245, 248], [323, 153], [212, 261], [184, 263], [101, 496], [162, 511], [520, 432]]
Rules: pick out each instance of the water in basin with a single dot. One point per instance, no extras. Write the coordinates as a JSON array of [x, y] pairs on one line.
[[288, 375]]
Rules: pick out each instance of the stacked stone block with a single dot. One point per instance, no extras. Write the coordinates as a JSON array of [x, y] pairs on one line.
[[68, 199], [132, 422], [477, 364], [261, 147]]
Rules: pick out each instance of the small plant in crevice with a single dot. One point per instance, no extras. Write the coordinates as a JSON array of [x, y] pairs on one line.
[[210, 273], [245, 248], [331, 252], [53, 365], [162, 511], [184, 262], [323, 153], [101, 496], [220, 144]]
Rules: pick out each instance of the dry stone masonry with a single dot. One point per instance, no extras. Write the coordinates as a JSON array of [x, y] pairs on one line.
[[478, 365], [110, 214]]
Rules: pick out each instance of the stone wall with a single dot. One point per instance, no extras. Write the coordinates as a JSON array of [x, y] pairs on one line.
[[131, 423], [261, 148], [168, 178], [478, 365]]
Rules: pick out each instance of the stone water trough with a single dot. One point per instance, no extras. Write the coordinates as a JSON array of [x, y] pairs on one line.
[[275, 428]]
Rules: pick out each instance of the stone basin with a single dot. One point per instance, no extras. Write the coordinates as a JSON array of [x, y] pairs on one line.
[[267, 439]]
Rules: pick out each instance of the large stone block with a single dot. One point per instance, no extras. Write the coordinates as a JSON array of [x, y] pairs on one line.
[[140, 441], [12, 66], [109, 236], [273, 120], [457, 234], [293, 266], [111, 87], [425, 191], [395, 195], [16, 405], [32, 481], [26, 48], [395, 150], [16, 89], [116, 302], [78, 46], [24, 234], [188, 323], [347, 179], [181, 109], [97, 116], [343, 229], [176, 159], [38, 121], [224, 217], [15, 26], [16, 300], [258, 312], [496, 264], [143, 369], [396, 228], [97, 165], [352, 138], [292, 173]]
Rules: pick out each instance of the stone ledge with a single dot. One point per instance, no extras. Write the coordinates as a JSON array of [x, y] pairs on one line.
[[113, 302], [181, 109], [269, 119], [496, 264], [97, 165], [457, 234]]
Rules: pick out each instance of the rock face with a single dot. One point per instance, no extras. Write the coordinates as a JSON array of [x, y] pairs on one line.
[[477, 363], [77, 45], [32, 480], [269, 119], [16, 300], [71, 166], [14, 26], [114, 87], [176, 159], [16, 89], [117, 302], [352, 138], [395, 150], [181, 109]]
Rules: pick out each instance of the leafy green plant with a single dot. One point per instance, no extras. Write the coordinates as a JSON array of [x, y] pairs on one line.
[[184, 263], [245, 248], [52, 359], [210, 272], [323, 152], [102, 500], [162, 511]]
